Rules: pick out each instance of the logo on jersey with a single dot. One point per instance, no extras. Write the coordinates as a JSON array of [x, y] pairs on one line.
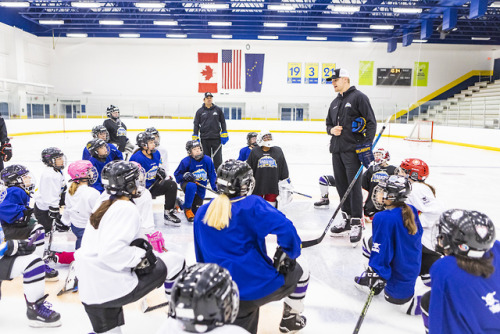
[[121, 131], [492, 303], [347, 105], [379, 176], [151, 174], [376, 247], [267, 162], [200, 174], [215, 113]]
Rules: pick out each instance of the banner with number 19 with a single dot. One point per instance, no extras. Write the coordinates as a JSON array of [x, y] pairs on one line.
[[294, 74]]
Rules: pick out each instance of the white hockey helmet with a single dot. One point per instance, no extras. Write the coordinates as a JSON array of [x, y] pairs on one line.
[[265, 138]]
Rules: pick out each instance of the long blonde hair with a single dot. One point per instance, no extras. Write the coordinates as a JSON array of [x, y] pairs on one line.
[[218, 212], [73, 187]]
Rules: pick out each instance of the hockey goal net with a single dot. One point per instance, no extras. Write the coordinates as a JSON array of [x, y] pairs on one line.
[[422, 131]]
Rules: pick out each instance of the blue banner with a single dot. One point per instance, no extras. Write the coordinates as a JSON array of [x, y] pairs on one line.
[[254, 72]]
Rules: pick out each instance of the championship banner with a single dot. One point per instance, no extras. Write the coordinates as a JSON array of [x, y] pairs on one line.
[[366, 73], [327, 71], [294, 73], [207, 65], [421, 74], [311, 73]]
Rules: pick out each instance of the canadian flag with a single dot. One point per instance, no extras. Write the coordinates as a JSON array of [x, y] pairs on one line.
[[207, 64]]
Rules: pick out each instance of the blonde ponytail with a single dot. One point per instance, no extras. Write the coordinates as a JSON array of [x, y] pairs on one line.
[[73, 187], [218, 213]]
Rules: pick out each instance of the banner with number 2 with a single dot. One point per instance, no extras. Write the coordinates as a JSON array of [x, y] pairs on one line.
[[328, 69]]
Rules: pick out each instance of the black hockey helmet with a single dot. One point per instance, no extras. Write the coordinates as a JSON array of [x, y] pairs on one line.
[[123, 178], [143, 138], [93, 148], [98, 129], [464, 232], [18, 176], [49, 156], [152, 130], [111, 109], [204, 297], [192, 144], [394, 188], [251, 135], [235, 178]]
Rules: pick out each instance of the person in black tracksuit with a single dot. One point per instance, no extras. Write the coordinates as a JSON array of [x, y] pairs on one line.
[[5, 148], [210, 123], [118, 132], [350, 106]]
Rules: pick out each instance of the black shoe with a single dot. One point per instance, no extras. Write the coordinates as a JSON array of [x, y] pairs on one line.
[[291, 322], [40, 314], [171, 218], [323, 203], [356, 231]]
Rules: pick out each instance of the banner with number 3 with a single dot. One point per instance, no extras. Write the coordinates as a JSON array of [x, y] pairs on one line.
[[328, 69], [294, 74], [311, 73]]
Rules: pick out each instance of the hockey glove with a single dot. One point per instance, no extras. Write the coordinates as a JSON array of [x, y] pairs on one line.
[[282, 262], [195, 137], [365, 154], [156, 240], [224, 138], [17, 247], [148, 262], [372, 280], [161, 174], [188, 177], [359, 125], [6, 151]]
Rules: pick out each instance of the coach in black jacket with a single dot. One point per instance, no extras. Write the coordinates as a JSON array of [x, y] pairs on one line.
[[5, 147], [210, 123], [352, 125]]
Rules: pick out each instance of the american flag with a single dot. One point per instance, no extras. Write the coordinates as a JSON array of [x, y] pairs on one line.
[[231, 69]]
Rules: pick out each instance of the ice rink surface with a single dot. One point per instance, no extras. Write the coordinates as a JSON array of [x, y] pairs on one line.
[[463, 177]]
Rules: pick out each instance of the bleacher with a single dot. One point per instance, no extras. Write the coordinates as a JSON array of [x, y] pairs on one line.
[[477, 106]]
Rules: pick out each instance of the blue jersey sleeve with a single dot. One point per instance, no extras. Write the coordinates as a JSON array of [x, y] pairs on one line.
[[13, 206], [244, 153], [382, 250], [181, 169], [114, 152], [85, 154]]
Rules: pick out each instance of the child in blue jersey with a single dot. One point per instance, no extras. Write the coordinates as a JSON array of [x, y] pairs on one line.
[[465, 285], [100, 132], [99, 151], [395, 249], [251, 143], [156, 178], [195, 168], [231, 232]]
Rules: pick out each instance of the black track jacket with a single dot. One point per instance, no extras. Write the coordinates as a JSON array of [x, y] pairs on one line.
[[208, 121]]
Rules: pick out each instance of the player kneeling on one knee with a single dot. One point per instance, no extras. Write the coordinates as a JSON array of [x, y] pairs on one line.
[[17, 257], [465, 293], [396, 247], [204, 299], [231, 231], [115, 265]]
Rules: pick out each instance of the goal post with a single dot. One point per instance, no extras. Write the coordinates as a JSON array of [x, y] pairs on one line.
[[422, 131]]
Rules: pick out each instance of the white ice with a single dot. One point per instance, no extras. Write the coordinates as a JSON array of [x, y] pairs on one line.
[[463, 177]]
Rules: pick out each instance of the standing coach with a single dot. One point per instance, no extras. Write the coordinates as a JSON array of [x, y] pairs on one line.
[[352, 125], [5, 147], [210, 123]]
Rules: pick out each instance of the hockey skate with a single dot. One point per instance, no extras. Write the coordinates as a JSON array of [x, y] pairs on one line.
[[179, 204], [323, 203], [71, 283], [343, 228], [171, 219], [356, 231], [189, 215], [291, 322], [51, 275], [40, 314]]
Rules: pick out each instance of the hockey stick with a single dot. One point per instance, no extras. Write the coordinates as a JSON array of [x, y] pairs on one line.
[[363, 312], [49, 246], [145, 308], [301, 194], [309, 243], [34, 237], [215, 153], [201, 185]]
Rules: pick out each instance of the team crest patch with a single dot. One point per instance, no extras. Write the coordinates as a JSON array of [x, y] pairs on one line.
[[376, 247], [348, 105], [200, 174], [492, 303], [267, 162], [381, 175]]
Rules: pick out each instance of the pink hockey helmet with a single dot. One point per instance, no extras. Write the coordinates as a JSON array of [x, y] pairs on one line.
[[82, 170]]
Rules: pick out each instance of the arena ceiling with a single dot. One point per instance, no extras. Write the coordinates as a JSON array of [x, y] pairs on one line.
[[391, 22]]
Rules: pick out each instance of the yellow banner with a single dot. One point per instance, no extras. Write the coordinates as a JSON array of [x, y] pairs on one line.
[[294, 73], [328, 69], [311, 73]]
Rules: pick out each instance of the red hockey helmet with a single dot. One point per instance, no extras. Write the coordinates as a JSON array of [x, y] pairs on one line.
[[416, 169], [381, 155]]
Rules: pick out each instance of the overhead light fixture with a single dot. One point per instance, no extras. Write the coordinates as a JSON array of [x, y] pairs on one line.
[[480, 38], [381, 26], [177, 35], [407, 10], [495, 4], [51, 21], [419, 41], [129, 35], [111, 22], [267, 37], [214, 5], [344, 9], [149, 5], [87, 4], [329, 25], [166, 23], [12, 4], [281, 7], [222, 36], [316, 38], [219, 24], [362, 39], [275, 24], [76, 35]]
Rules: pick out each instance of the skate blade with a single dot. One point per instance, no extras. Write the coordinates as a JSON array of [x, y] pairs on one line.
[[52, 279], [362, 288], [169, 223], [338, 235], [41, 324], [322, 207], [355, 244]]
